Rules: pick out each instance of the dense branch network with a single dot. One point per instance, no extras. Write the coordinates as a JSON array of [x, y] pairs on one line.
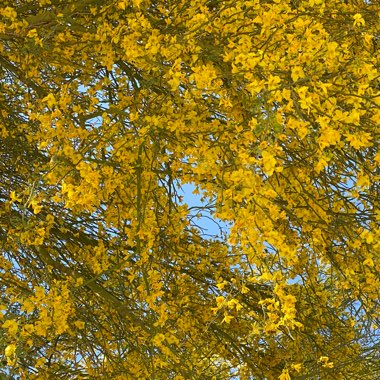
[[270, 110]]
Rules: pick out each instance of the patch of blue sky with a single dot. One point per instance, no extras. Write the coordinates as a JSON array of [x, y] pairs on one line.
[[201, 210]]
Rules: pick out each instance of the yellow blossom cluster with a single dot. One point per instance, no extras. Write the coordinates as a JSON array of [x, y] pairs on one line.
[[269, 109]]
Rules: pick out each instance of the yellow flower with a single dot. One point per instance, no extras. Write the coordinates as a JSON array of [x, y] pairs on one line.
[[284, 375], [79, 324], [244, 289], [219, 301], [227, 318], [358, 19], [14, 197], [368, 262], [359, 140], [9, 13], [49, 100], [269, 162], [36, 206], [10, 354], [10, 350], [11, 325], [273, 82], [297, 72], [297, 367], [329, 136], [32, 33]]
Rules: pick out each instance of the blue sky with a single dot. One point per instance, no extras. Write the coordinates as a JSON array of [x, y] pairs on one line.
[[211, 226]]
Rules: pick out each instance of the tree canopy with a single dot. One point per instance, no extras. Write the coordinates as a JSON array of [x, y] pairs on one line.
[[270, 109]]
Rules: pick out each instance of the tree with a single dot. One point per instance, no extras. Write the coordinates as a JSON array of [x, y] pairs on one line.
[[270, 109]]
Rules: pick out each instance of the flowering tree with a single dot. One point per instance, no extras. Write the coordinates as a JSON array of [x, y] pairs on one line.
[[270, 109]]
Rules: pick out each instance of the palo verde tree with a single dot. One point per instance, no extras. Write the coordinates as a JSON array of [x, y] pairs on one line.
[[270, 109]]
